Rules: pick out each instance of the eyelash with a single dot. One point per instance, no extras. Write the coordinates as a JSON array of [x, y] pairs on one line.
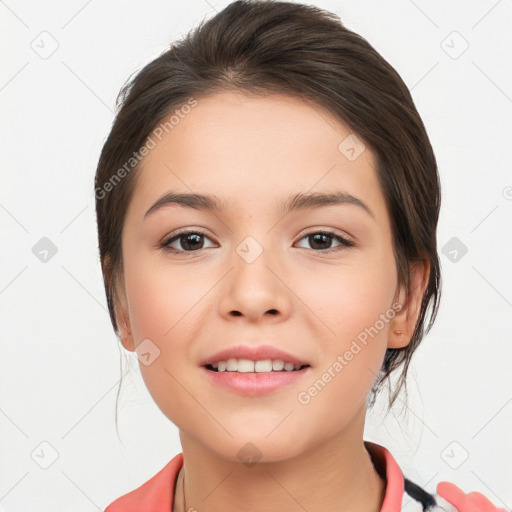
[[345, 242]]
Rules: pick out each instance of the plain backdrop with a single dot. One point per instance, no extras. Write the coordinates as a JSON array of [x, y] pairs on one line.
[[61, 70]]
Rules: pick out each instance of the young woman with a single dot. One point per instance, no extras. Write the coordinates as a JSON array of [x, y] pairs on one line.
[[267, 203]]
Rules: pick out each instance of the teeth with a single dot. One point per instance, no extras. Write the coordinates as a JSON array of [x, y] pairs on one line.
[[244, 366], [232, 365], [277, 365], [264, 366], [249, 366]]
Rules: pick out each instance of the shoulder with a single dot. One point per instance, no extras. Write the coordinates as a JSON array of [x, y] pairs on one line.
[[447, 498], [404, 495], [416, 498], [154, 495]]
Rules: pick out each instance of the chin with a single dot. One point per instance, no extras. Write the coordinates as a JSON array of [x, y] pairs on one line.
[[252, 447]]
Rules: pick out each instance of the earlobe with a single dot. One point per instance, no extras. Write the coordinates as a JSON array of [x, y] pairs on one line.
[[404, 322], [125, 334], [120, 303], [127, 342], [123, 323]]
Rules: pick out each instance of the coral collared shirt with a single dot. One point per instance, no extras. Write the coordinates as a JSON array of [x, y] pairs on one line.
[[157, 494]]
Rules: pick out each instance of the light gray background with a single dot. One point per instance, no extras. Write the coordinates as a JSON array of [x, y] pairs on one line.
[[59, 356]]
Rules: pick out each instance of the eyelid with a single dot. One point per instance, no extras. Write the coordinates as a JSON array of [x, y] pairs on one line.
[[344, 241], [164, 244], [329, 231]]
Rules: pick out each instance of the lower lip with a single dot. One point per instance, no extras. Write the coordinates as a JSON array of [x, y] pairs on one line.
[[253, 383]]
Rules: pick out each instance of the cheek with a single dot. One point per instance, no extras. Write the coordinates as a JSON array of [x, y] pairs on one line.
[[162, 300], [352, 306], [351, 297], [165, 308]]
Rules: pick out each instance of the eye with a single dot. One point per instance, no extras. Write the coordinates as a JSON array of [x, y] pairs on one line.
[[193, 241], [189, 240], [319, 239]]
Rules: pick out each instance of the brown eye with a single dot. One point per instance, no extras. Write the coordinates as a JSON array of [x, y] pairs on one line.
[[320, 241], [187, 241]]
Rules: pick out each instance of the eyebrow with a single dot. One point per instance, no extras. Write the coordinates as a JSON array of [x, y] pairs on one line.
[[298, 202]]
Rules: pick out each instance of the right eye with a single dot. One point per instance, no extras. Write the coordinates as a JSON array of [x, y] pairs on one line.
[[189, 240]]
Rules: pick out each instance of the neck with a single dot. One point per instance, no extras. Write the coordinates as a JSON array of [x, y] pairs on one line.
[[335, 475]]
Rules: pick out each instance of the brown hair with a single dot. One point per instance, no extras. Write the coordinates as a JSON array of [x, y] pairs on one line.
[[266, 47]]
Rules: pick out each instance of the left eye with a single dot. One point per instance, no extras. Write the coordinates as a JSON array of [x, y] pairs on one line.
[[322, 238], [191, 241]]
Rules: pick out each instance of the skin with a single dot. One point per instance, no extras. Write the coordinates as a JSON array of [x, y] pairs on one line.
[[257, 152]]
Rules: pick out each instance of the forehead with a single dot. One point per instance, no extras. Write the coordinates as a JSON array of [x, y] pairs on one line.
[[248, 126], [248, 148]]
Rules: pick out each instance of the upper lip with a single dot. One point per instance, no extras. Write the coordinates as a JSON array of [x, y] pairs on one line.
[[256, 353]]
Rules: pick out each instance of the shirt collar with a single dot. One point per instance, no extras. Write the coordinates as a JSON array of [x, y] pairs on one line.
[[157, 494], [388, 469], [385, 465]]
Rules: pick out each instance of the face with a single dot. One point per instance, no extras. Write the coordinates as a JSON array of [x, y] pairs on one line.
[[255, 274]]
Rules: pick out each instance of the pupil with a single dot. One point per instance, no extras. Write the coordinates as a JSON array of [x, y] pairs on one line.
[[319, 238], [186, 238]]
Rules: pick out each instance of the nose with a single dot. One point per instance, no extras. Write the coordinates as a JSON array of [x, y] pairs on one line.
[[253, 288]]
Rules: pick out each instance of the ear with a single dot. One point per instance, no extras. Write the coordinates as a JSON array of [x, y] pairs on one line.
[[123, 321], [120, 304], [404, 322]]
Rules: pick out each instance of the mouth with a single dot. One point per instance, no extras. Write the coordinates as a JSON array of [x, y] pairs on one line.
[[255, 377], [241, 365]]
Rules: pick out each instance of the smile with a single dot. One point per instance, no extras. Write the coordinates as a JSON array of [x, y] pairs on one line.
[[250, 366]]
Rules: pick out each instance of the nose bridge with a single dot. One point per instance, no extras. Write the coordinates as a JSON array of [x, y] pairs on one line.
[[252, 259], [250, 249], [253, 234]]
